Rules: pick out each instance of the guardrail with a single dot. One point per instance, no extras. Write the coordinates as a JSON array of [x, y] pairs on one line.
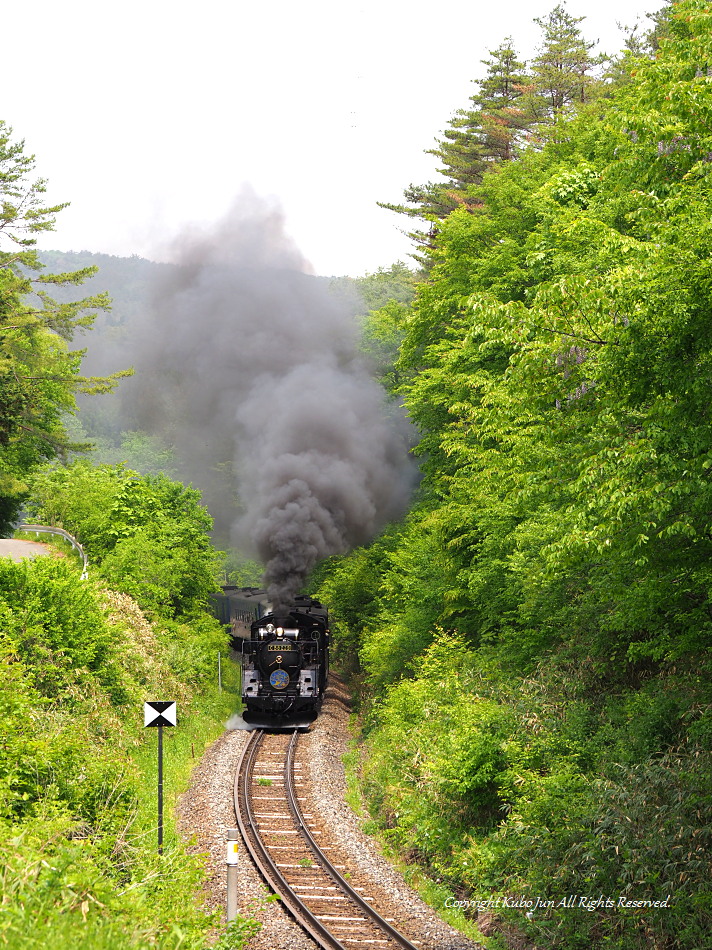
[[48, 529]]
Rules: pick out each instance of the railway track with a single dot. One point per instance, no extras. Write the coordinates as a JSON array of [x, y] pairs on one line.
[[268, 796]]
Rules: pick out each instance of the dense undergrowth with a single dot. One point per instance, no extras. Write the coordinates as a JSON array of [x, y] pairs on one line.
[[532, 643], [78, 847], [528, 791]]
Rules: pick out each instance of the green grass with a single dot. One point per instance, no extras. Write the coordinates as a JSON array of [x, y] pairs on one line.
[[183, 746], [352, 795]]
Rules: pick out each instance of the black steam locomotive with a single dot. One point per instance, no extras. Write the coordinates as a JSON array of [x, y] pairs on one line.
[[285, 656]]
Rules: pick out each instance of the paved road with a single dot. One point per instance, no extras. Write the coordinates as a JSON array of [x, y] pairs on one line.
[[18, 550]]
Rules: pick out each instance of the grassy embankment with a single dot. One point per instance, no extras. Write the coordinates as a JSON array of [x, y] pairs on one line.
[[78, 771]]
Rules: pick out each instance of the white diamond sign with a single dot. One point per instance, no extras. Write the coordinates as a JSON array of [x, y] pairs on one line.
[[160, 714]]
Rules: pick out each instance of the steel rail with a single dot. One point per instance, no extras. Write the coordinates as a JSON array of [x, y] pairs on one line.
[[340, 881], [266, 866]]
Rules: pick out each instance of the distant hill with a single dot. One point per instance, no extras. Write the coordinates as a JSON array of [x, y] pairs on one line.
[[127, 280]]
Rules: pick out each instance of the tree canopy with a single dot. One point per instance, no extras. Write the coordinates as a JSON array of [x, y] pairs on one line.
[[39, 373], [511, 111], [537, 632]]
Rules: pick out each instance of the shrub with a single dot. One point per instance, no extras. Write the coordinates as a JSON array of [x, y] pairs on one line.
[[149, 535]]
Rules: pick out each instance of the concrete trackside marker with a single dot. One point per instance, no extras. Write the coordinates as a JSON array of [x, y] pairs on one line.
[[233, 845], [160, 714]]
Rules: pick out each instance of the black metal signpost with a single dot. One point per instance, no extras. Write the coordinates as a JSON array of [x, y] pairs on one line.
[[160, 714]]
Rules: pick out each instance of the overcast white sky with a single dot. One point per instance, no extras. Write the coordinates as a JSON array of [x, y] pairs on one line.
[[149, 114]]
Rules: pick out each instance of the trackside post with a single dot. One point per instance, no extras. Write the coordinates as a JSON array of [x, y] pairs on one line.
[[160, 714], [233, 845]]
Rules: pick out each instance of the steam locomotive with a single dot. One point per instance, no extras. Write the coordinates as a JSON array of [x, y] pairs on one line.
[[285, 656]]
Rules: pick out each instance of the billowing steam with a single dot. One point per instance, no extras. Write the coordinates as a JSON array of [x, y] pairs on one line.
[[247, 356]]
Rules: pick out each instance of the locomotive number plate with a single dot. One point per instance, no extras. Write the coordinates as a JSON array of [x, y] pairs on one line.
[[279, 679], [277, 647]]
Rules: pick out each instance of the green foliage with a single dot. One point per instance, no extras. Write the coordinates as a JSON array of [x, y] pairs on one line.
[[564, 401], [241, 570], [383, 332], [394, 284], [137, 450], [77, 777], [554, 738], [507, 787], [65, 667], [350, 586], [150, 535], [39, 374], [51, 613], [77, 770], [641, 834], [386, 599], [237, 934]]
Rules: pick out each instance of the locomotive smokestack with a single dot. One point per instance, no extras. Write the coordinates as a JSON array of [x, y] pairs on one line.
[[258, 354]]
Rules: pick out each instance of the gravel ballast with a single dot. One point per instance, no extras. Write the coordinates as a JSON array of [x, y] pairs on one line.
[[205, 812]]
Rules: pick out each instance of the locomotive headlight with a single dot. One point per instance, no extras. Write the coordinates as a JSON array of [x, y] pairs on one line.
[[270, 628], [280, 631]]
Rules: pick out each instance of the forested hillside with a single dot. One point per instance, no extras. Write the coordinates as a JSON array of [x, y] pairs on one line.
[[533, 640]]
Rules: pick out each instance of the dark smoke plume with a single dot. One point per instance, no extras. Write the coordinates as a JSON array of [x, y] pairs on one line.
[[248, 357]]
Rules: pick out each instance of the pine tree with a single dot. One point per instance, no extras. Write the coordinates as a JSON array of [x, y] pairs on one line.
[[499, 103], [477, 138], [490, 130], [563, 69], [39, 374], [508, 112]]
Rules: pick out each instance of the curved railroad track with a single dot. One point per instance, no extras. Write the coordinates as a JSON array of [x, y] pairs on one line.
[[277, 834]]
